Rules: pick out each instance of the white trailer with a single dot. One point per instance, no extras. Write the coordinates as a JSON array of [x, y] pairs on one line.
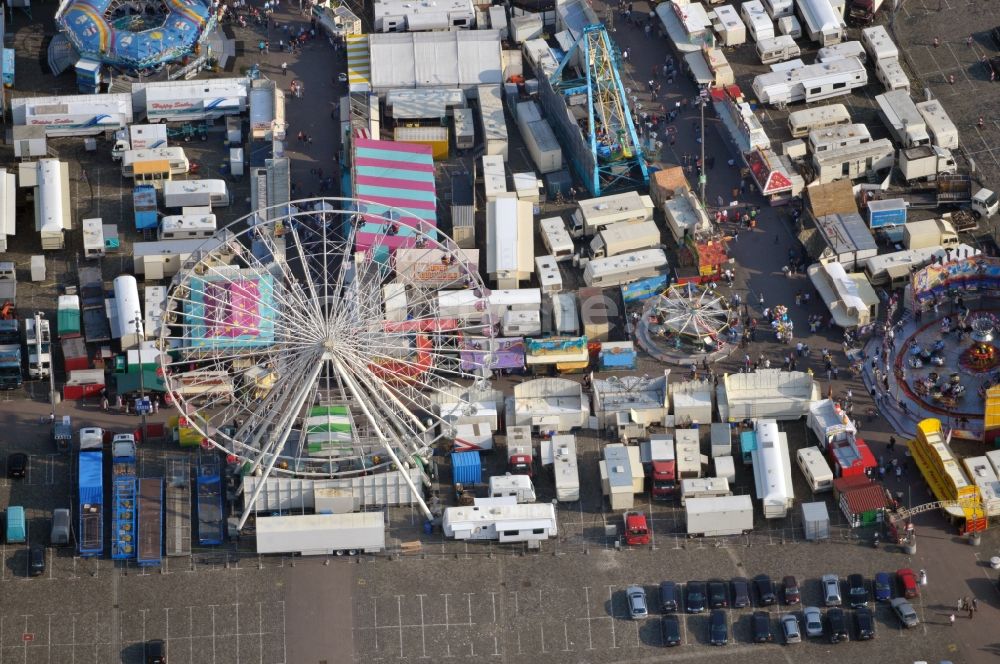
[[52, 202], [878, 44], [542, 144], [154, 306], [981, 472], [727, 23], [465, 128], [73, 115], [926, 162], [404, 16], [559, 451], [779, 8], [719, 516], [895, 269], [39, 345], [136, 163], [800, 123], [93, 238], [510, 246], [502, 520], [494, 178], [159, 260], [147, 136], [687, 453], [321, 534], [186, 226], [704, 487], [777, 49], [902, 118], [625, 237], [518, 487], [191, 193], [494, 123], [848, 49], [815, 82], [831, 138], [593, 214], [556, 238], [815, 469], [129, 314], [854, 161], [625, 268], [548, 275], [829, 423], [943, 132], [789, 25], [686, 216], [821, 21], [891, 75], [267, 111], [758, 23], [186, 101], [772, 470]]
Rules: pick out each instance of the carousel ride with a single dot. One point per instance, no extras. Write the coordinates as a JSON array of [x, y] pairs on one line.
[[685, 320]]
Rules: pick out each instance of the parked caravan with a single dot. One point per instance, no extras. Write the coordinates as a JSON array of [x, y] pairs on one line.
[[187, 226], [891, 75], [816, 82], [779, 8], [831, 138], [854, 161], [518, 487], [593, 214], [772, 470], [777, 49], [560, 453], [878, 44], [73, 115], [704, 487], [757, 21], [816, 470], [848, 49], [942, 130], [188, 193], [821, 21], [501, 519], [465, 128], [52, 203], [93, 238], [800, 123], [185, 101], [625, 268], [494, 177], [900, 115], [789, 25], [548, 275], [625, 237], [154, 166], [494, 124], [556, 238], [729, 27]]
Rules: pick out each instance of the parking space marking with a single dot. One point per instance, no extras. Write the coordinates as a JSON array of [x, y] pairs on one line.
[[611, 610]]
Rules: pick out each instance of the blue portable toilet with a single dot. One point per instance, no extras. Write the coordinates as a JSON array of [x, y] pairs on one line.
[[466, 468], [17, 529]]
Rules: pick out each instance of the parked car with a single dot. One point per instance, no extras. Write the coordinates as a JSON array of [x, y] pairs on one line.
[[670, 628], [813, 618], [156, 652], [696, 599], [864, 619], [857, 593], [838, 625], [831, 590], [883, 587], [669, 596], [741, 592], [908, 583], [793, 595], [718, 628], [765, 589], [36, 560], [904, 610], [636, 602], [761, 622], [718, 598], [790, 628], [17, 465]]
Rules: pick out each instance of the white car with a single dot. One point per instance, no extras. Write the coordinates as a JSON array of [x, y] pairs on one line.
[[637, 609], [790, 628], [831, 590], [813, 619]]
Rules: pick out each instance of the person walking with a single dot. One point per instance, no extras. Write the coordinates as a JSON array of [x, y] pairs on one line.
[[975, 603], [951, 619], [284, 69]]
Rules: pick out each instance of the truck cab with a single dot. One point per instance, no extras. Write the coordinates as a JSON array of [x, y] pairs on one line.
[[984, 204], [636, 531]]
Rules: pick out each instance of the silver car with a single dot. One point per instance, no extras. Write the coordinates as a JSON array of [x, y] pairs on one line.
[[905, 611], [813, 619], [637, 609], [831, 590], [790, 628]]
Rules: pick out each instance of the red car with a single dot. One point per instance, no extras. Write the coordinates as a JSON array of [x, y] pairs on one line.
[[908, 583]]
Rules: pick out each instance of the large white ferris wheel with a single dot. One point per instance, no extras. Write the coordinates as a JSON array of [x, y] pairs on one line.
[[311, 342]]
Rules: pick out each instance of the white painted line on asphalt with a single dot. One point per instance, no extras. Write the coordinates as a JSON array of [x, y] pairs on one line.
[[374, 621], [493, 603], [446, 611], [399, 621], [238, 632], [212, 606], [541, 631], [423, 629], [590, 633], [468, 597], [611, 610]]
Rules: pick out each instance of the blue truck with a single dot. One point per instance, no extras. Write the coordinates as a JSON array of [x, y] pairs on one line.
[[123, 507], [149, 529], [90, 481], [11, 376], [211, 524]]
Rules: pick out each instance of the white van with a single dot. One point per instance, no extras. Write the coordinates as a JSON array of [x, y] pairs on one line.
[[777, 49], [815, 469]]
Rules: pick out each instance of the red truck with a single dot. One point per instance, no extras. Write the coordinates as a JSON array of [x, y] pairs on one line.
[[636, 530], [661, 467]]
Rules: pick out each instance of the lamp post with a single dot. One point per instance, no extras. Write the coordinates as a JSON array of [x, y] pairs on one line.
[[703, 176], [142, 383]]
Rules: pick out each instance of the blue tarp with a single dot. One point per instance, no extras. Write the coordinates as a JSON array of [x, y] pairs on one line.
[[466, 468], [91, 478], [644, 288]]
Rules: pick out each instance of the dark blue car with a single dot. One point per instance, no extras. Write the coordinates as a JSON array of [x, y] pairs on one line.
[[883, 587]]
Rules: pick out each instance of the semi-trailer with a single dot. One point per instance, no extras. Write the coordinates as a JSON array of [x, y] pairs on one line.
[[719, 516], [178, 507], [90, 484], [38, 339], [96, 327], [149, 528], [211, 524], [321, 534], [123, 506]]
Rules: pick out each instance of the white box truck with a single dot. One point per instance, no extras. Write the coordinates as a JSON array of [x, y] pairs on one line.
[[719, 516], [929, 233], [925, 162]]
